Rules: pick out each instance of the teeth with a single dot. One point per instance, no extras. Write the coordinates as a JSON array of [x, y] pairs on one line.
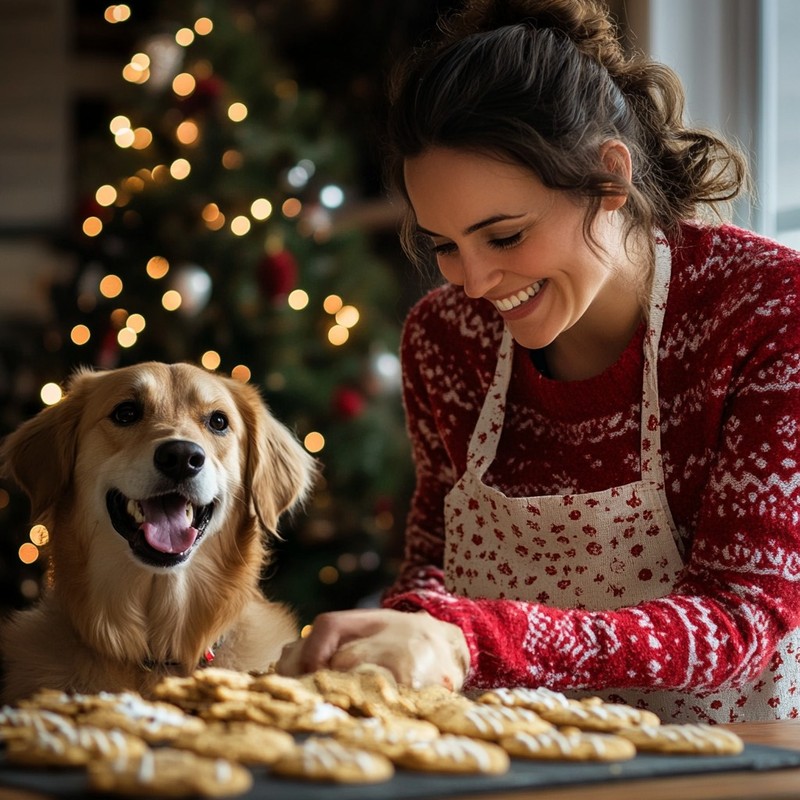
[[507, 303], [135, 510]]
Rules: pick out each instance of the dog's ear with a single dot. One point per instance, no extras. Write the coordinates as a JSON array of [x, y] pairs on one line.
[[279, 472], [40, 455]]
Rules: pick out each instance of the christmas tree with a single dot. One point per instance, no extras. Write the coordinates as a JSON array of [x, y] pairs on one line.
[[212, 227]]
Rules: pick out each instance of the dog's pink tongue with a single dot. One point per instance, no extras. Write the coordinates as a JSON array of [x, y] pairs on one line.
[[165, 526]]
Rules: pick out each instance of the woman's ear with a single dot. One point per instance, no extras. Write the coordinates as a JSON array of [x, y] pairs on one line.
[[616, 159]]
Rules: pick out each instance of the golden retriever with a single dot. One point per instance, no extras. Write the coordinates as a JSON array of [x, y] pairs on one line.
[[160, 486]]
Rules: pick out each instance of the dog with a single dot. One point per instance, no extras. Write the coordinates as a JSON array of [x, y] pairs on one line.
[[161, 486]]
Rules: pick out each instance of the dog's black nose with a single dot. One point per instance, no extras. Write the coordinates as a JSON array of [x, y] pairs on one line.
[[179, 459]]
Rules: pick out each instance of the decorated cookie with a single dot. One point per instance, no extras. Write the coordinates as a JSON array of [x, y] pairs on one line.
[[450, 753], [170, 773], [539, 699], [689, 738], [595, 715], [243, 742], [70, 745], [483, 721], [155, 722], [321, 717], [19, 722], [388, 735], [327, 759], [568, 744]]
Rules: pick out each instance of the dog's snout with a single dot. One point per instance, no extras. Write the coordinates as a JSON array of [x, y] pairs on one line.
[[179, 459]]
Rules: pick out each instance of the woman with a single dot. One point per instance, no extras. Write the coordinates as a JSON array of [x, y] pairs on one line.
[[603, 399]]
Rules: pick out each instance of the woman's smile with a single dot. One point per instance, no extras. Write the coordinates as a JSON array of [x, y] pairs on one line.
[[520, 298]]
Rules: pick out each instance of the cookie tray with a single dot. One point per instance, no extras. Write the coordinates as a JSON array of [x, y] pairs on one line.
[[417, 785]]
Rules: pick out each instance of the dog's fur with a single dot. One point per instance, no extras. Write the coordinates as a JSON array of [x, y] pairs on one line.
[[118, 613]]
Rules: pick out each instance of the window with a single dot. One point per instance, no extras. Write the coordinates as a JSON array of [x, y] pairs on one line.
[[739, 62]]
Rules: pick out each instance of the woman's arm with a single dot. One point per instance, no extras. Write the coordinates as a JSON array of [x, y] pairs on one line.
[[739, 595]]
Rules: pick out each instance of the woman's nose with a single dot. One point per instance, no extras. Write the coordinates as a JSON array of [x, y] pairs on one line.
[[478, 277]]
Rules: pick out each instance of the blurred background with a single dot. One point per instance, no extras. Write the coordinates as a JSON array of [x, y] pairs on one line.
[[200, 180]]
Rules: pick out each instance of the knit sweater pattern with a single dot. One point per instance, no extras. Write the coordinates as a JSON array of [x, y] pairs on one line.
[[729, 396]]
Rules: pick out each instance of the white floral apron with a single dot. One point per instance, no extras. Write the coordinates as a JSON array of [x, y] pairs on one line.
[[595, 551]]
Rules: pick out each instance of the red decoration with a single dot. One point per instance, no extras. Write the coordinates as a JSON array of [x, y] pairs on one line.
[[108, 354], [348, 402], [204, 97], [277, 274]]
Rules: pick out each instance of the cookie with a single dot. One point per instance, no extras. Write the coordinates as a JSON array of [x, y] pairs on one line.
[[593, 714], [216, 677], [687, 739], [156, 722], [568, 744], [71, 746], [243, 742], [388, 735], [282, 687], [327, 759], [321, 717], [483, 721], [422, 702], [450, 753], [170, 773], [19, 722], [539, 699], [368, 690]]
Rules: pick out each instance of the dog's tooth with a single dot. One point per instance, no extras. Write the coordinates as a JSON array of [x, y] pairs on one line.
[[189, 511], [135, 510]]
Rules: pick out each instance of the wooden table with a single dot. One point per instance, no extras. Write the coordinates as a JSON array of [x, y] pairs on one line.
[[770, 785]]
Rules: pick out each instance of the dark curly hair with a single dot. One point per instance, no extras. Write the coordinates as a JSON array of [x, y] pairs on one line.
[[542, 84]]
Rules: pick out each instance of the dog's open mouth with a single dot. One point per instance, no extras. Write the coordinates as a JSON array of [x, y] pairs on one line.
[[161, 530]]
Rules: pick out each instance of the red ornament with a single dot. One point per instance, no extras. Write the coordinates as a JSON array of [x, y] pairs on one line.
[[277, 275], [207, 92], [108, 354], [348, 402]]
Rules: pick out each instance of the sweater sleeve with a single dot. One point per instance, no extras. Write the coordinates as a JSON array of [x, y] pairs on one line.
[[738, 596]]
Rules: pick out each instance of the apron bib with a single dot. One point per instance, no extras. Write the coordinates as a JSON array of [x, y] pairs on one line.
[[597, 550]]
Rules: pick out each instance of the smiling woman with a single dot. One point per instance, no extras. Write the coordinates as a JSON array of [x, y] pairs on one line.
[[603, 396], [504, 236]]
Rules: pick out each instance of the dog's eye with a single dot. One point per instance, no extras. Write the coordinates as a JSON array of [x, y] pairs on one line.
[[218, 421], [126, 413]]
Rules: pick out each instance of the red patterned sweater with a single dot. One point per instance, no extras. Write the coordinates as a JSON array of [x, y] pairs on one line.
[[729, 382]]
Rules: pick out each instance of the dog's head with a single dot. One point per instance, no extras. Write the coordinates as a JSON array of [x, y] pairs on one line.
[[159, 456]]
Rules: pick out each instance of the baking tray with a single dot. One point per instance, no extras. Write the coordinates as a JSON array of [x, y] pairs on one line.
[[406, 785]]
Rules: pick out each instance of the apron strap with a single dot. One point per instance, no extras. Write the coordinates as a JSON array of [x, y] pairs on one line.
[[483, 444], [652, 468]]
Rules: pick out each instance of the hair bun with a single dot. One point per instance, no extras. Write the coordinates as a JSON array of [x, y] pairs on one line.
[[585, 22]]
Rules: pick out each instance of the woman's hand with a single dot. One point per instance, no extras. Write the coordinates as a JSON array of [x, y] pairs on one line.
[[415, 647]]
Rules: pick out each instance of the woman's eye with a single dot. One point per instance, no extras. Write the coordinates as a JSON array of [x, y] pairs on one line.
[[126, 413], [444, 249], [507, 241], [218, 421]]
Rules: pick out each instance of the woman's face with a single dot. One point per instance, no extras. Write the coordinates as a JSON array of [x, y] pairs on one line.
[[498, 232]]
